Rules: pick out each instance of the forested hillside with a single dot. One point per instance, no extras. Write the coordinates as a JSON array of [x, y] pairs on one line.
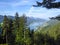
[[49, 33], [29, 22], [15, 32], [32, 22]]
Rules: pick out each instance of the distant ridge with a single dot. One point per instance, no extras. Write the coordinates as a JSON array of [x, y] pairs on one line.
[[2, 17], [32, 22]]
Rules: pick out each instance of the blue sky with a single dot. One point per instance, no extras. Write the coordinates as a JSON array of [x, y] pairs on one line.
[[10, 7]]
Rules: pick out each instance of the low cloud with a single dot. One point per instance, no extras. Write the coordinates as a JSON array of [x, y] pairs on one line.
[[40, 12]]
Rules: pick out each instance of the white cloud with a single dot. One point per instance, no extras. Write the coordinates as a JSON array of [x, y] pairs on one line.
[[40, 12]]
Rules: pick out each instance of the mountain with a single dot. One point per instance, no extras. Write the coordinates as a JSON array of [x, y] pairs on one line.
[[2, 17], [32, 22], [50, 23], [51, 28]]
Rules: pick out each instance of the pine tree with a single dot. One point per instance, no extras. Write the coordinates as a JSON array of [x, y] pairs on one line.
[[16, 26], [27, 37], [10, 35], [0, 34], [8, 30], [5, 28], [48, 4], [20, 32], [16, 21]]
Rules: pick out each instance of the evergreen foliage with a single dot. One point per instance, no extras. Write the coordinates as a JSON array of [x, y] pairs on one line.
[[48, 4], [16, 32]]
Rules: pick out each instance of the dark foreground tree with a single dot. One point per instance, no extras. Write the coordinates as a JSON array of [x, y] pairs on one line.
[[5, 28], [57, 17], [48, 4], [10, 35], [8, 31]]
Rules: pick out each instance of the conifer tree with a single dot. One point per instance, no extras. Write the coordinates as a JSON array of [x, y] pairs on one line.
[[5, 28], [16, 26], [27, 37], [8, 30], [10, 35], [16, 21], [22, 26]]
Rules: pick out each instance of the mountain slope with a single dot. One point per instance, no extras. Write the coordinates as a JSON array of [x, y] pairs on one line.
[[52, 28], [2, 17], [32, 20], [34, 23]]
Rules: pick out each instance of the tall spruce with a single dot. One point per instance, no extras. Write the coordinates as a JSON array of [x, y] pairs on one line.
[[8, 31], [10, 35], [22, 26], [16, 26], [27, 37], [5, 28], [16, 21]]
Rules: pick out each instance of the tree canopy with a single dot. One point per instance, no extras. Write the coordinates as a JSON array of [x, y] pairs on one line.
[[48, 4]]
